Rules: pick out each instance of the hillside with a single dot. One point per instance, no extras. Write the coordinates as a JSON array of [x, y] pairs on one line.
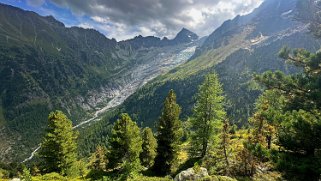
[[46, 66], [243, 103], [237, 50]]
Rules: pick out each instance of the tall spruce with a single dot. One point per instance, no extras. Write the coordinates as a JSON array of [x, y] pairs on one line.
[[149, 148], [59, 148], [125, 145], [208, 115], [169, 135]]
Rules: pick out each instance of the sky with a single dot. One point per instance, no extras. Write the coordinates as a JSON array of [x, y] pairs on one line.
[[125, 19]]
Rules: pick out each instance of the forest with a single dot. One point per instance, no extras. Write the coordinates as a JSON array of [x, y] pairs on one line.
[[281, 140]]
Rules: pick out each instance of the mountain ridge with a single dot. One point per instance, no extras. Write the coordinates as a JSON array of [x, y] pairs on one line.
[[73, 69], [239, 49]]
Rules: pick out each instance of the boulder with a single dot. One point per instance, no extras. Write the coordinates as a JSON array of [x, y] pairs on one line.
[[191, 175], [15, 179]]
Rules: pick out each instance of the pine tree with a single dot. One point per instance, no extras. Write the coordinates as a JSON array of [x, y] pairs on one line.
[[59, 147], [298, 131], [208, 115], [98, 159], [125, 145], [169, 135], [149, 148]]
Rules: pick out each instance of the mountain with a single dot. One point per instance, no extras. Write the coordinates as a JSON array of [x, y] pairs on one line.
[[183, 37], [46, 66], [237, 50]]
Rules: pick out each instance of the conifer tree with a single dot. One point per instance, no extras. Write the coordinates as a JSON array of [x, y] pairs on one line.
[[267, 117], [225, 143], [26, 176], [208, 115], [125, 144], [98, 158], [169, 135], [59, 147], [298, 131], [149, 148]]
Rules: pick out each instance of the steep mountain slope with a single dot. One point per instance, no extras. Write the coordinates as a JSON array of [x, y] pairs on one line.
[[45, 66], [237, 50]]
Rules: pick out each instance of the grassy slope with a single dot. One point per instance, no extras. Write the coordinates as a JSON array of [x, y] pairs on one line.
[[209, 58]]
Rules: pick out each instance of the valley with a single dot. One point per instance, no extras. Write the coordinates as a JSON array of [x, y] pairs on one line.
[[91, 73], [240, 102], [139, 77]]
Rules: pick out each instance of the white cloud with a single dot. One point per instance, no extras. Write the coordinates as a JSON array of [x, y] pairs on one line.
[[124, 18], [100, 19], [86, 26]]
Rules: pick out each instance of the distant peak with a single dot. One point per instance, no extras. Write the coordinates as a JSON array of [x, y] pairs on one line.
[[53, 20], [184, 30], [185, 36]]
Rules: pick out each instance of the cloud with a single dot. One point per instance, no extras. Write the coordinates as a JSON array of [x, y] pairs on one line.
[[35, 2], [121, 18]]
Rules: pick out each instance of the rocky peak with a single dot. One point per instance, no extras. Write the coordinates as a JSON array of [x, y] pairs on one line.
[[185, 36]]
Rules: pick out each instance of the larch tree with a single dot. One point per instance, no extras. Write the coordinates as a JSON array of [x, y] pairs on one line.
[[125, 145], [59, 147], [98, 159], [225, 145], [208, 115], [149, 148], [169, 135], [267, 117]]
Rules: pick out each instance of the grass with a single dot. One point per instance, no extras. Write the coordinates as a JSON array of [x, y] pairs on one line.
[[210, 58]]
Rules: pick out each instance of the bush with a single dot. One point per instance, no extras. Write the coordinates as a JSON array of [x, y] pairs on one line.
[[26, 176], [144, 178], [4, 174], [218, 178], [50, 177]]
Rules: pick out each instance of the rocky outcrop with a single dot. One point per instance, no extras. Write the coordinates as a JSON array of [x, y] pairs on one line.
[[191, 174]]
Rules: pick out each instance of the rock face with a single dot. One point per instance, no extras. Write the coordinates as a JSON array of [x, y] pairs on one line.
[[191, 175]]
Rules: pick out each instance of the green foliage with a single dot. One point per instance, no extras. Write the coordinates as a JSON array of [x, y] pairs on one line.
[[217, 178], [59, 149], [300, 131], [208, 116], [291, 106], [26, 176], [149, 146], [98, 160], [168, 137], [50, 177], [145, 178], [267, 117], [125, 145], [78, 169], [4, 173], [96, 134], [299, 167]]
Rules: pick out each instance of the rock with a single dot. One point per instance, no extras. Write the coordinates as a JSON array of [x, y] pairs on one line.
[[191, 175], [15, 179]]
